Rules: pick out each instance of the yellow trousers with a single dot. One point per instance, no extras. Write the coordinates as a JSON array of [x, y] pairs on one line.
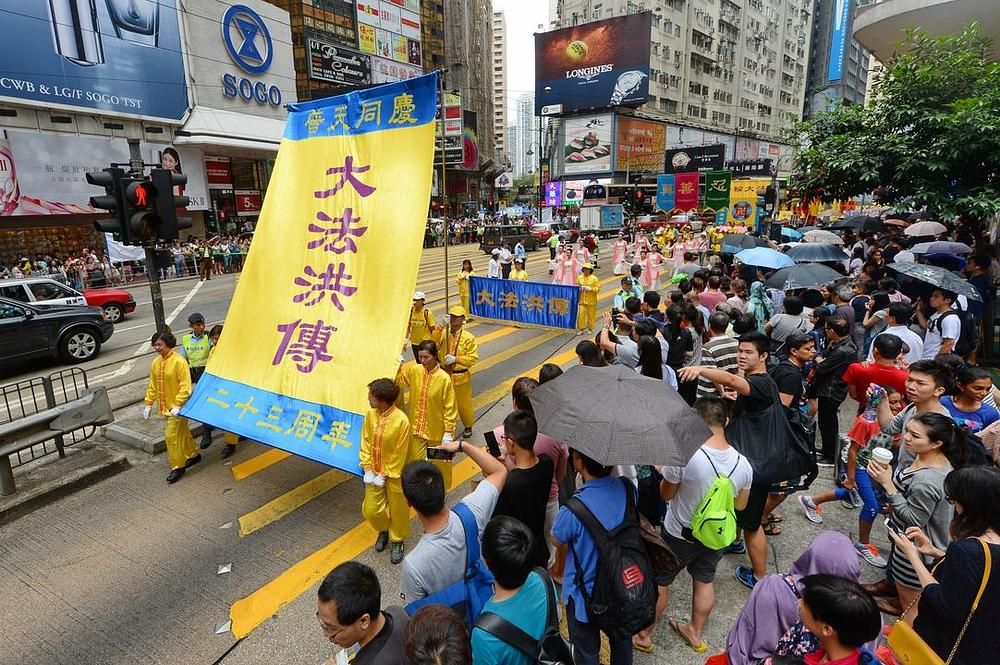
[[463, 397], [180, 443], [465, 301], [386, 510], [586, 317], [418, 451]]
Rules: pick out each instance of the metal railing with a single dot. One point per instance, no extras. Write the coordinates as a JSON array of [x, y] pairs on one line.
[[31, 396]]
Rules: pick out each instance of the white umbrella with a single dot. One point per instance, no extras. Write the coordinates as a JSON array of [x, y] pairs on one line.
[[905, 257], [819, 235], [925, 229]]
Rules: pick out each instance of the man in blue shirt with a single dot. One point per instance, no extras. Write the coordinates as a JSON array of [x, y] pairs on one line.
[[604, 495], [519, 595], [519, 252]]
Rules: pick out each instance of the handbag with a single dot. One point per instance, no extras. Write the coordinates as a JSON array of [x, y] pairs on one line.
[[910, 649], [663, 558]]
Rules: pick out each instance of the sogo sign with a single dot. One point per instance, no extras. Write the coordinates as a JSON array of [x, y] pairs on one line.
[[242, 25]]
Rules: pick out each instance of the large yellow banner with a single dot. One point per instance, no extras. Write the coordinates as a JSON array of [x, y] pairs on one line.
[[743, 200], [322, 304]]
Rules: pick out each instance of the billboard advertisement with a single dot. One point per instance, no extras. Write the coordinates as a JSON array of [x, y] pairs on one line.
[[389, 71], [118, 58], [587, 144], [335, 64], [700, 158], [838, 39], [470, 140], [639, 144], [553, 193], [595, 65], [390, 30]]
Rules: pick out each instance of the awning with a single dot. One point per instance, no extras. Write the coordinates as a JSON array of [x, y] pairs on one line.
[[228, 129]]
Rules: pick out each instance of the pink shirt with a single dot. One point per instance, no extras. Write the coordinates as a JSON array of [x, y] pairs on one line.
[[710, 299], [544, 445]]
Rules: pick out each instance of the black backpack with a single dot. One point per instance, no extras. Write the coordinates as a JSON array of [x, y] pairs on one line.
[[551, 649], [623, 600], [968, 337]]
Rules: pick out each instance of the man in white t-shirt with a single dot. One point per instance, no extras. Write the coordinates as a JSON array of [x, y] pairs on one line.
[[897, 323], [685, 487], [943, 327]]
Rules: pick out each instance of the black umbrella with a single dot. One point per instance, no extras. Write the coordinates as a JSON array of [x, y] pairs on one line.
[[803, 276], [633, 420], [814, 251], [847, 224], [938, 277], [743, 241], [874, 224]]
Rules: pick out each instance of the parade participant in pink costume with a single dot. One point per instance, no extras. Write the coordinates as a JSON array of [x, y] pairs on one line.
[[680, 247], [641, 243], [567, 269], [582, 254], [619, 254], [651, 268]]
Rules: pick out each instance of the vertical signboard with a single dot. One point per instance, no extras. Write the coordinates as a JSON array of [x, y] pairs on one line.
[[838, 39], [639, 144]]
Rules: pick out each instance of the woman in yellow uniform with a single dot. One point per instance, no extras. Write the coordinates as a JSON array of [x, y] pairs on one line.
[[385, 444], [519, 273], [421, 322], [170, 387], [463, 283], [458, 352], [589, 287], [431, 408]]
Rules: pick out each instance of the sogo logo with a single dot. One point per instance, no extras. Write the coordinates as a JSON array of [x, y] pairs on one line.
[[254, 55]]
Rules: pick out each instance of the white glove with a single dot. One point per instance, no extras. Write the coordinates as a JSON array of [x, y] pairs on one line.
[[369, 478], [449, 360], [148, 410], [378, 481], [447, 438], [175, 411]]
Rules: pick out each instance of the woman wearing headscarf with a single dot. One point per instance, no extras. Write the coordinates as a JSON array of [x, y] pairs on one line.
[[773, 605], [759, 305]]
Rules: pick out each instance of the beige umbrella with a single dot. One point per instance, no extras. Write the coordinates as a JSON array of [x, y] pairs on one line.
[[821, 236]]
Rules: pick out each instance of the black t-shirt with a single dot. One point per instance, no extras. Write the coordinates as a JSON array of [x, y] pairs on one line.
[[386, 648], [683, 344], [524, 496], [788, 377], [762, 394]]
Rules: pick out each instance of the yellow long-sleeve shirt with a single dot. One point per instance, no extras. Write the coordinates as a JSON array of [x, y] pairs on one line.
[[385, 442], [589, 286], [169, 382], [463, 346], [519, 275], [432, 408], [462, 279], [421, 325]]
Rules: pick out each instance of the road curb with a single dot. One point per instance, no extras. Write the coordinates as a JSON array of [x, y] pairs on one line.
[[59, 478], [154, 445]]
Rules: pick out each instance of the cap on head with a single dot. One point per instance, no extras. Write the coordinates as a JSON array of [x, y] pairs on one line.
[[196, 318], [519, 261], [587, 266], [496, 250], [419, 295], [456, 310], [626, 281]]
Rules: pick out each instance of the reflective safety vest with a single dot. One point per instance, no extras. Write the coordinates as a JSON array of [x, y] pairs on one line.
[[196, 349]]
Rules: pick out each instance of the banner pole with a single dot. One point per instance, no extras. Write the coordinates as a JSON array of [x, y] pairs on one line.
[[444, 201]]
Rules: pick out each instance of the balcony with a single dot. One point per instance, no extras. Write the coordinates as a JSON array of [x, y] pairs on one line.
[[878, 26]]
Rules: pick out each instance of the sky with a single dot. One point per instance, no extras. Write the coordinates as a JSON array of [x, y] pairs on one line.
[[523, 18]]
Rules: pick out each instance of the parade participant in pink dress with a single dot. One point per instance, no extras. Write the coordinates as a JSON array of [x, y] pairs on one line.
[[680, 247], [641, 243], [650, 263], [567, 269], [582, 254], [618, 255]]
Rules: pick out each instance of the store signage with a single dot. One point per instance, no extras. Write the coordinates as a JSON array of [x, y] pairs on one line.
[[249, 45], [749, 167], [328, 62], [218, 172], [695, 158], [248, 202]]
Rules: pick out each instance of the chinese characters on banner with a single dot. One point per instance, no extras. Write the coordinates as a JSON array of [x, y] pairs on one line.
[[743, 200], [665, 192], [686, 191], [323, 300], [551, 305], [717, 184]]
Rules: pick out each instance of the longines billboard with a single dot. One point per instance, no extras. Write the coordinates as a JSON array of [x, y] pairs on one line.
[[597, 65]]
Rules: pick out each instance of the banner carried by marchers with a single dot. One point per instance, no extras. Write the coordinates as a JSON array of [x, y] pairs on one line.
[[322, 303], [534, 303]]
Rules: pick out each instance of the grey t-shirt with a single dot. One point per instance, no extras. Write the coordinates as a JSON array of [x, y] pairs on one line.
[[627, 351], [438, 559]]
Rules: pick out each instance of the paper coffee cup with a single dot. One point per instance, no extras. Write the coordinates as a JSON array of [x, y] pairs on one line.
[[882, 456]]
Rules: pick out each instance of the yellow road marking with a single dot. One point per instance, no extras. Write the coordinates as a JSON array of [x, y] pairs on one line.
[[257, 463], [496, 334], [277, 508]]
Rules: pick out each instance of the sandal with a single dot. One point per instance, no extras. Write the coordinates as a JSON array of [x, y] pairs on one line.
[[676, 627], [642, 649], [772, 529], [775, 518]]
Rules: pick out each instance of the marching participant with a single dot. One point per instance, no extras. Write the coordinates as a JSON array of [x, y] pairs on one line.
[[463, 282], [431, 408], [421, 322], [589, 287], [567, 269], [170, 387], [518, 273], [458, 352], [619, 252]]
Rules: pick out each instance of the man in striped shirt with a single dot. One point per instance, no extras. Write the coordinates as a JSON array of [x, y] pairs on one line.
[[719, 352]]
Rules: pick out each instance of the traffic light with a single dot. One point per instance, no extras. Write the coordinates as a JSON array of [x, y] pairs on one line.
[[111, 180], [143, 226], [165, 204]]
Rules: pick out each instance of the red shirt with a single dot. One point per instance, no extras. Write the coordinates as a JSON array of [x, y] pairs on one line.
[[816, 657], [861, 377]]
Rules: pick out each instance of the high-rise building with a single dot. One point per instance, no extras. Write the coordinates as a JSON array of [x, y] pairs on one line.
[[838, 64], [527, 136], [730, 68], [499, 86]]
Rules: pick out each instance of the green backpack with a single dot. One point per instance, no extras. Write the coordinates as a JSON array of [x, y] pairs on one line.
[[714, 521]]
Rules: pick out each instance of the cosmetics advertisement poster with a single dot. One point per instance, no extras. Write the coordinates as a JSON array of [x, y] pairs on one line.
[[120, 57]]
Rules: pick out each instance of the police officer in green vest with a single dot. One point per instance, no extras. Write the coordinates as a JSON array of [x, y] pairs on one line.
[[195, 346]]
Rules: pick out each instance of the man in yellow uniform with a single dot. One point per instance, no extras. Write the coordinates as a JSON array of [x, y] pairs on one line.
[[170, 387], [519, 273], [421, 322], [431, 408], [458, 352], [385, 444], [589, 288], [196, 347]]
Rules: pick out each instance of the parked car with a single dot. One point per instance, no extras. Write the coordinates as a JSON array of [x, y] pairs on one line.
[[73, 333], [116, 303], [544, 231], [493, 236]]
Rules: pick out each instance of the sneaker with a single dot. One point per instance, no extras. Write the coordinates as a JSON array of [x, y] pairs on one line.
[[853, 500], [869, 553], [396, 553], [812, 510], [745, 576], [381, 541], [738, 547]]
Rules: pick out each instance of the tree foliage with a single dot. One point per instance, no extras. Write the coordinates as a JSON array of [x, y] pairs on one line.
[[929, 137]]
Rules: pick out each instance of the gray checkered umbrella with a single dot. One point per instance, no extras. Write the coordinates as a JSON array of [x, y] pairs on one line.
[[616, 416]]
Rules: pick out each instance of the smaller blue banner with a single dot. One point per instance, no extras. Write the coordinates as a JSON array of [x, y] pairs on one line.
[[535, 303], [665, 192], [317, 431]]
